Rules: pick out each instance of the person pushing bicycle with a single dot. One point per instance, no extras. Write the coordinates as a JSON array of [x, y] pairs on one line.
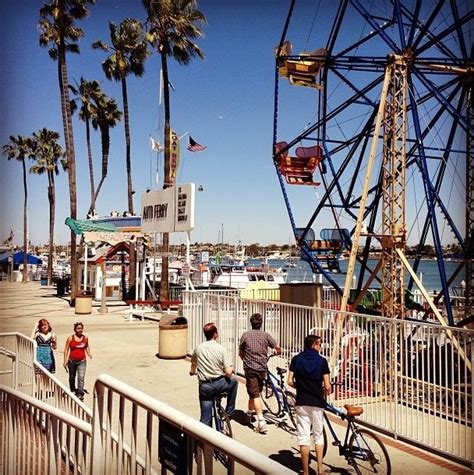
[[309, 375], [253, 350], [214, 370]]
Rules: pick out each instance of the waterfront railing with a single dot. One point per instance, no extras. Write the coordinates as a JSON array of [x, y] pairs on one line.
[[414, 379]]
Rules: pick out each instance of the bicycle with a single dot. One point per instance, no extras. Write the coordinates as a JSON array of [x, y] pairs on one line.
[[362, 449], [221, 422], [276, 397]]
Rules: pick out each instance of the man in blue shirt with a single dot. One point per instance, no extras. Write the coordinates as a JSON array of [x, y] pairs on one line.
[[309, 374]]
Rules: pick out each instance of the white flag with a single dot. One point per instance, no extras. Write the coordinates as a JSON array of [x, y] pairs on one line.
[[155, 145]]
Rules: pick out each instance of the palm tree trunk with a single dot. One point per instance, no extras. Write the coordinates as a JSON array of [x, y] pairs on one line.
[[52, 217], [128, 158], [91, 164], [128, 162], [71, 159], [164, 284], [25, 225], [105, 139]]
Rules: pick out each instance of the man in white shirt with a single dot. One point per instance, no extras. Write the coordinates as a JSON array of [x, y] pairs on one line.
[[214, 369]]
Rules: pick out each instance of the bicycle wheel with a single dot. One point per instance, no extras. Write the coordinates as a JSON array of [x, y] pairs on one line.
[[270, 398], [290, 403], [222, 422], [368, 453]]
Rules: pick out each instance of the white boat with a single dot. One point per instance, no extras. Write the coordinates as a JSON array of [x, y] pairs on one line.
[[236, 276], [153, 270]]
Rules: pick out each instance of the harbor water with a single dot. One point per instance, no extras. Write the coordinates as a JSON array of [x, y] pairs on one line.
[[428, 270]]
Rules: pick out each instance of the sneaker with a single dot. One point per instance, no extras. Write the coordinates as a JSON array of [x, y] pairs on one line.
[[261, 427], [249, 418]]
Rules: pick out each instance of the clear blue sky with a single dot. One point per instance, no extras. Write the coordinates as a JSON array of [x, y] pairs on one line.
[[225, 102]]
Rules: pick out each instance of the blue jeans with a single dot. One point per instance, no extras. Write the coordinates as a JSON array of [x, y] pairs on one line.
[[77, 368], [207, 392]]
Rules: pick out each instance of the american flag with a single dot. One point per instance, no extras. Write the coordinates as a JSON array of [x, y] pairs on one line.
[[193, 146]]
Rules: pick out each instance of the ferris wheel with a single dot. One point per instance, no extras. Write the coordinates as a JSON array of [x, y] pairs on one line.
[[378, 154]]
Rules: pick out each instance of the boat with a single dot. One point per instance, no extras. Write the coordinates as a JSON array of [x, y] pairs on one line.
[[237, 276]]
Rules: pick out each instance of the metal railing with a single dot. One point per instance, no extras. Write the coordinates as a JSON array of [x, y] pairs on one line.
[[414, 379], [59, 433], [37, 438], [20, 370], [180, 438]]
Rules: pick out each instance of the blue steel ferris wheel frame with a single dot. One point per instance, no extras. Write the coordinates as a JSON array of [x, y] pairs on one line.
[[437, 79]]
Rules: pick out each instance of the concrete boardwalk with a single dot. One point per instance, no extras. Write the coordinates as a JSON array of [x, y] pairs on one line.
[[127, 351]]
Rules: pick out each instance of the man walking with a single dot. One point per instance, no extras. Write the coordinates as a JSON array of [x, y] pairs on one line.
[[309, 374], [213, 367], [253, 350]]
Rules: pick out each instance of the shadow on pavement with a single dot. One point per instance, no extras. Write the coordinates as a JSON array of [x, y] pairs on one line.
[[288, 458], [239, 417]]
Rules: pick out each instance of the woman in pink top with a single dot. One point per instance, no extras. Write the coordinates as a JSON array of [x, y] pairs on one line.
[[75, 350]]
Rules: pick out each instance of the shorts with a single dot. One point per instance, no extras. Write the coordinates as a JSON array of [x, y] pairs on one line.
[[254, 382], [309, 421]]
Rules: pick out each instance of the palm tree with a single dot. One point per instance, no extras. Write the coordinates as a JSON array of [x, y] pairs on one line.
[[58, 30], [173, 25], [19, 148], [128, 54], [88, 93], [107, 115], [129, 51], [48, 155]]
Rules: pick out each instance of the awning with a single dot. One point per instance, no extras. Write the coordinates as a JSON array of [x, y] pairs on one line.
[[18, 258], [80, 226]]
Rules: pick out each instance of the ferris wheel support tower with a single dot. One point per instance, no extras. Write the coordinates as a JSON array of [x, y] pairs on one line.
[[393, 189], [469, 291]]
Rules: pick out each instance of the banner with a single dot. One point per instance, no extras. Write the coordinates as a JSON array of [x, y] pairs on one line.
[[174, 155], [170, 210], [111, 238]]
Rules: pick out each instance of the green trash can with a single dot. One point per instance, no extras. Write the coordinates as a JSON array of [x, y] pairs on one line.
[[173, 337]]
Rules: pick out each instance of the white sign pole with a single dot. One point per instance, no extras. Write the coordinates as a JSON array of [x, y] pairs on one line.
[[137, 273], [143, 283], [189, 283], [85, 266]]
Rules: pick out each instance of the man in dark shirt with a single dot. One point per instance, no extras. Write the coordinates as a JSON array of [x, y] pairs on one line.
[[309, 374], [253, 350]]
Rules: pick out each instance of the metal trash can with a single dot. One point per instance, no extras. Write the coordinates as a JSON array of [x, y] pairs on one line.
[[173, 337], [83, 304], [61, 287]]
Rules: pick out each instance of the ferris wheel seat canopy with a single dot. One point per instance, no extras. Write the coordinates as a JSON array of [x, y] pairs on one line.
[[335, 234], [303, 69], [331, 239], [299, 169]]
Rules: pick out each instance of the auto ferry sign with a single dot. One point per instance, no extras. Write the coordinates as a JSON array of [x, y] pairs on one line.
[[168, 211]]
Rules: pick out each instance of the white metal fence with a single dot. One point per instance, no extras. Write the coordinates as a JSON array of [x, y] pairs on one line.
[[19, 370], [45, 429], [413, 379]]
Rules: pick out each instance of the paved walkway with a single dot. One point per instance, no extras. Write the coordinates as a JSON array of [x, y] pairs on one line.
[[127, 351]]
